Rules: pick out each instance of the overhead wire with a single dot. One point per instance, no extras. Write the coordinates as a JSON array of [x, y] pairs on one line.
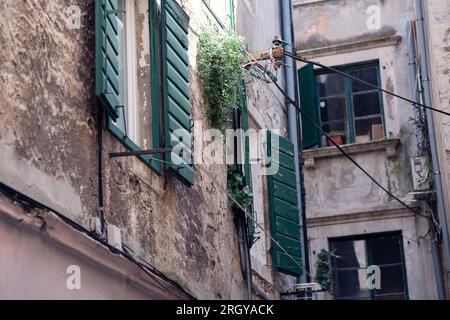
[[245, 211], [148, 269], [371, 85], [311, 121]]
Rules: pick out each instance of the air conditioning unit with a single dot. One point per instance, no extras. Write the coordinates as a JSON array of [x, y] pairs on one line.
[[420, 174], [309, 291]]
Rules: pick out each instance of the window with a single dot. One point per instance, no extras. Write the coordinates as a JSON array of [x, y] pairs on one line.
[[127, 76], [352, 257], [142, 79], [349, 111], [134, 120]]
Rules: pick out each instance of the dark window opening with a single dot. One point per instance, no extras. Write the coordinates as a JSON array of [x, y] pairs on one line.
[[350, 111], [351, 258]]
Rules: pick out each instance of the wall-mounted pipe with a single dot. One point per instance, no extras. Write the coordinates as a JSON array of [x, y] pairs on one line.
[[290, 76], [422, 39], [412, 55], [101, 210]]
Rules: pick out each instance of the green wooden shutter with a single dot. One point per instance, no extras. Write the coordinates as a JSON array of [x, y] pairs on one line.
[[283, 204], [310, 134], [176, 90], [108, 64]]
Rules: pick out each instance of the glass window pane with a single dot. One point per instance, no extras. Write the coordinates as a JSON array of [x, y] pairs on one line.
[[386, 250], [352, 284], [392, 281], [333, 109], [369, 129], [331, 84], [367, 104], [350, 254], [369, 75]]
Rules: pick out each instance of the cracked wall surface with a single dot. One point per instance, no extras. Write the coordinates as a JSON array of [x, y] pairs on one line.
[[340, 200], [48, 147]]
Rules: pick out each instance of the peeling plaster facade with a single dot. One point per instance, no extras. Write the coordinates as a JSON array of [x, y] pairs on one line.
[[437, 15], [340, 200], [267, 110], [48, 147]]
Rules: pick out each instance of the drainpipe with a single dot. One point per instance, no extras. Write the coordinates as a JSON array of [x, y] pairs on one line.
[[231, 4], [240, 221], [290, 75], [418, 114], [412, 62], [432, 134], [440, 282], [101, 211]]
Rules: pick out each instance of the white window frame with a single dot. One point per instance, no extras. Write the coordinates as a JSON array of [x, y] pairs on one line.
[[131, 71]]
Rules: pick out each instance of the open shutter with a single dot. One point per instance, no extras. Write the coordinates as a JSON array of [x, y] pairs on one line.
[[176, 90], [108, 49], [310, 134], [283, 204]]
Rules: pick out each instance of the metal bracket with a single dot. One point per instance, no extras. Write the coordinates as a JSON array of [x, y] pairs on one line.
[[139, 153]]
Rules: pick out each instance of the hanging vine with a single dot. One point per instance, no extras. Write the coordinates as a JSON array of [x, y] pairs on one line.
[[220, 72], [323, 273]]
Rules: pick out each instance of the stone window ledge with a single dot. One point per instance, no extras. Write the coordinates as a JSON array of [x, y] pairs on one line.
[[388, 145]]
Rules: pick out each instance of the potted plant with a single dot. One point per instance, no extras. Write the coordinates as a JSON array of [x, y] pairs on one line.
[[337, 136]]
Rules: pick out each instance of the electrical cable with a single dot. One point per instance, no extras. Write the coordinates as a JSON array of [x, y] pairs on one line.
[[306, 116], [415, 103], [231, 197], [228, 194], [28, 202]]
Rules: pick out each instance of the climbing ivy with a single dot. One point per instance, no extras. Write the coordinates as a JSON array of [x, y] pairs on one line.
[[323, 273], [238, 188], [219, 69]]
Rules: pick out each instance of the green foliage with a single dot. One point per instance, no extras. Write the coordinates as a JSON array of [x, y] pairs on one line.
[[336, 133], [238, 188], [323, 273], [220, 72]]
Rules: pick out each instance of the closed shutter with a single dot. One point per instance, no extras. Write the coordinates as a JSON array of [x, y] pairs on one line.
[[176, 90], [310, 134], [108, 49], [283, 204]]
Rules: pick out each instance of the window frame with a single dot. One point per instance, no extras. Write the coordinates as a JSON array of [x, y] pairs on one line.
[[348, 93], [156, 123], [369, 261]]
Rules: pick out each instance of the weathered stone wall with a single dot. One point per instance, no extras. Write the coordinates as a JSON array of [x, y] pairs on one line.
[[258, 21], [328, 22], [48, 143], [340, 200], [331, 174], [437, 17]]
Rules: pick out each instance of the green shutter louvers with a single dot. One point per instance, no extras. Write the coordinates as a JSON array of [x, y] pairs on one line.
[[310, 134], [283, 205], [176, 90], [108, 51]]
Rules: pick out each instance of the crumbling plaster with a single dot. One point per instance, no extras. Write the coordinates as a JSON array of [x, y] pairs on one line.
[[48, 143]]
